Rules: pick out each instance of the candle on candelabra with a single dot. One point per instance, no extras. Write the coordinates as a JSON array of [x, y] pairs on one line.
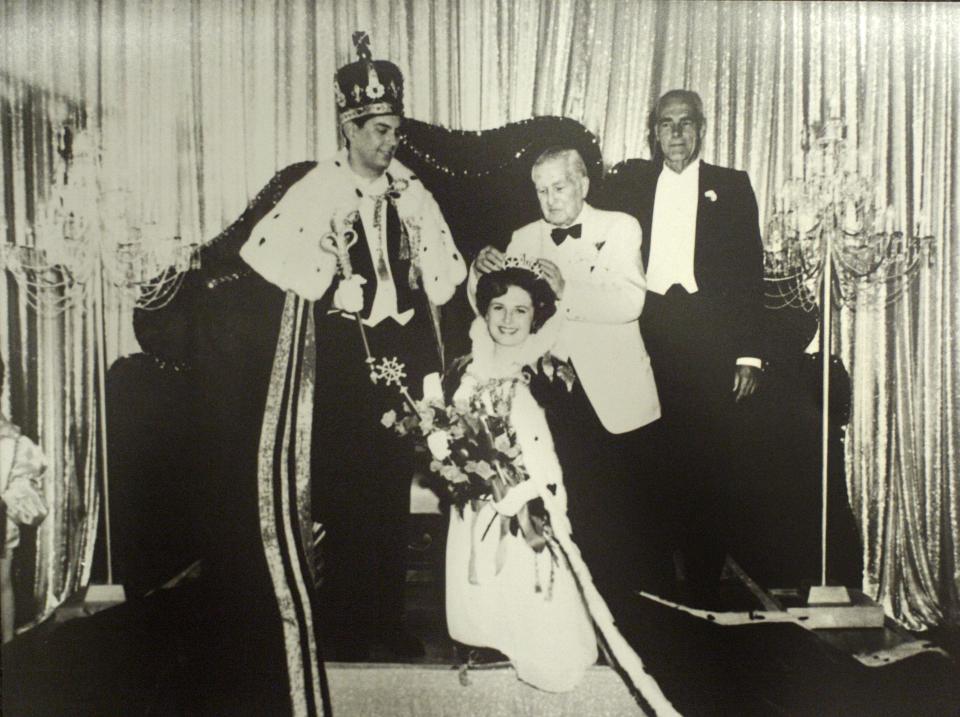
[[807, 217], [775, 240], [851, 220], [834, 105]]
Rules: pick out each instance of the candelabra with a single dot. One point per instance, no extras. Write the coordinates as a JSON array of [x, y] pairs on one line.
[[832, 221], [832, 239], [82, 236], [80, 241]]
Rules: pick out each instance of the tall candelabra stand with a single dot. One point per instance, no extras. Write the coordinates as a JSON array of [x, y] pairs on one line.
[[81, 240], [832, 240]]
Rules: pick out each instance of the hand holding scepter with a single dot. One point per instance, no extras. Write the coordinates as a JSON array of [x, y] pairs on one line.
[[348, 296]]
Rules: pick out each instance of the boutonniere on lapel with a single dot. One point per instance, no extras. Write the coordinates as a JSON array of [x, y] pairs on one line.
[[710, 195], [598, 246]]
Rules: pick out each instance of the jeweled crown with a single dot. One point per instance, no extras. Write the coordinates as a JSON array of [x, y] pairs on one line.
[[367, 86]]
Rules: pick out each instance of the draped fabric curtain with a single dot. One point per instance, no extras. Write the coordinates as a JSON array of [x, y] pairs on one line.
[[195, 104], [50, 355]]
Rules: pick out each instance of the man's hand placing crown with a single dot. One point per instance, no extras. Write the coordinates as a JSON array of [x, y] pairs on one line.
[[489, 259], [349, 294]]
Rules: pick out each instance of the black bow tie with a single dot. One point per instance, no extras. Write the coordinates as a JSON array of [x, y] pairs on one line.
[[559, 235]]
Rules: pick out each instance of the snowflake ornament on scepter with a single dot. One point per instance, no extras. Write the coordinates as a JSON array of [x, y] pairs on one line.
[[389, 371], [392, 372]]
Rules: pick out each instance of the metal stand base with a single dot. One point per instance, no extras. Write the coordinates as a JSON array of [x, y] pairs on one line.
[[833, 607], [828, 595], [102, 596]]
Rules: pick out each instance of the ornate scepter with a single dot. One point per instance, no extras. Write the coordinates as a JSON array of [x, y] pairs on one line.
[[389, 371], [339, 243]]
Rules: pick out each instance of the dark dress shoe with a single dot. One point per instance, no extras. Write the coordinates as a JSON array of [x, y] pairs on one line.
[[470, 655]]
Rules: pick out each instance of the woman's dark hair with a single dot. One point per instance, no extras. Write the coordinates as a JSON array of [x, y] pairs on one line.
[[496, 283]]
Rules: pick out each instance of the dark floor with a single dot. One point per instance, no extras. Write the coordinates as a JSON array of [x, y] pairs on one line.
[[425, 610], [755, 669], [426, 615]]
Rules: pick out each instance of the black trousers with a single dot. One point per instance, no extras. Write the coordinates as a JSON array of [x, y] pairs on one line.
[[361, 475], [694, 366], [613, 505]]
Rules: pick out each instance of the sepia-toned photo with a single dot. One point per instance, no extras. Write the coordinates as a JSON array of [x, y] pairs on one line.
[[533, 357]]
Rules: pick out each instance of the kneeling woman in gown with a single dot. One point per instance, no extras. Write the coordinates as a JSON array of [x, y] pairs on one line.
[[508, 584]]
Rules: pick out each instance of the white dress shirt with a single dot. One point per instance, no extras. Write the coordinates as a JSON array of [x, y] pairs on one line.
[[375, 229], [675, 229], [673, 235]]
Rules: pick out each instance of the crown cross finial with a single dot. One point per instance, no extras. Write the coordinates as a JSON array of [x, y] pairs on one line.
[[361, 41]]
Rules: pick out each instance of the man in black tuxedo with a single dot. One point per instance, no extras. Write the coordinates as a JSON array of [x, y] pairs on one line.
[[704, 265]]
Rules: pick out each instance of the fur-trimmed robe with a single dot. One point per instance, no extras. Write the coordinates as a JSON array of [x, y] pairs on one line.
[[244, 325]]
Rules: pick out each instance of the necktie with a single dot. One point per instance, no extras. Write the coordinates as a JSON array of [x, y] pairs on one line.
[[559, 235]]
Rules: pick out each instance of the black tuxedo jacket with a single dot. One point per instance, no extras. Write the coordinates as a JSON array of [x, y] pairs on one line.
[[728, 254]]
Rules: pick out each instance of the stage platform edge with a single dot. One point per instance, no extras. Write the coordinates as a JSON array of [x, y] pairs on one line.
[[452, 691]]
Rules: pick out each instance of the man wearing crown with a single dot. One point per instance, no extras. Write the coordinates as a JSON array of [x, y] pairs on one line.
[[333, 262], [591, 259]]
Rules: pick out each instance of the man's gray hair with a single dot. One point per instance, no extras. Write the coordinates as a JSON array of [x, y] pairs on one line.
[[688, 96], [570, 156]]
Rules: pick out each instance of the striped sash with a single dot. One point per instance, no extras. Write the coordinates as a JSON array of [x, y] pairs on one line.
[[283, 479]]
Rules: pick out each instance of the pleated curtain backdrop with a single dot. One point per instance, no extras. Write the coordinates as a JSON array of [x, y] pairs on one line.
[[196, 104]]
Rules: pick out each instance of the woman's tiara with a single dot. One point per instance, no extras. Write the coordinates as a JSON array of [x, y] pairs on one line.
[[512, 261]]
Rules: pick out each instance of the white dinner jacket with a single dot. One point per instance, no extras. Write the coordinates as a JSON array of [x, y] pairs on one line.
[[602, 300]]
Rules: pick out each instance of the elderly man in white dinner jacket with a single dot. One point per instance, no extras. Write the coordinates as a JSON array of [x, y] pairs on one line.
[[595, 269], [591, 259]]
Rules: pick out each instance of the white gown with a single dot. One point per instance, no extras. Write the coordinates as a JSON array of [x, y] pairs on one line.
[[547, 635], [499, 592]]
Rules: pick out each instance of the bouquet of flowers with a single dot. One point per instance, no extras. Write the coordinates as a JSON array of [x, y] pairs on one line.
[[472, 444]]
